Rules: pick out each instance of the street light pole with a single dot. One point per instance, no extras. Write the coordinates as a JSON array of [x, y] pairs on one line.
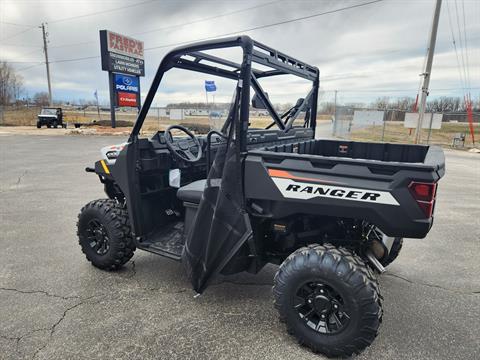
[[428, 71]]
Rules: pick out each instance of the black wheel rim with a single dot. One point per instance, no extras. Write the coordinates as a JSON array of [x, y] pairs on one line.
[[98, 237], [321, 308]]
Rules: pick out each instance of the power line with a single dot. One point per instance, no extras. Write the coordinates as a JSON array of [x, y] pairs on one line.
[[38, 49], [272, 24], [100, 12], [76, 59], [19, 45], [394, 90], [462, 81], [29, 67], [15, 24], [21, 62], [17, 34], [208, 18], [461, 44], [176, 26], [69, 18], [465, 41], [237, 31]]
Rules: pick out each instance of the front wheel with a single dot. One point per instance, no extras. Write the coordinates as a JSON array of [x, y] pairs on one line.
[[104, 234], [329, 300]]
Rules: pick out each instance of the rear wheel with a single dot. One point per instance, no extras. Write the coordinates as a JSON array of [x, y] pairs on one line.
[[55, 124], [104, 234], [39, 125], [329, 300]]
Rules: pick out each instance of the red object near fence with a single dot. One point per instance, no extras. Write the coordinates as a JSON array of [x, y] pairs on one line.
[[468, 103]]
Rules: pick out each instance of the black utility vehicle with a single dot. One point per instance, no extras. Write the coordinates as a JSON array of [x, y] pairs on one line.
[[51, 117], [329, 212]]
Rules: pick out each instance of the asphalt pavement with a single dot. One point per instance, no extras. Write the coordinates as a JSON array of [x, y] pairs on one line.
[[55, 305]]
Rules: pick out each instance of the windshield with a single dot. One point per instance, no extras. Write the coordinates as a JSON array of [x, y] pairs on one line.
[[49, 112], [201, 102], [194, 100]]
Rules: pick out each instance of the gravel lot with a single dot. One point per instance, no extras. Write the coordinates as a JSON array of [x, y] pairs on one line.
[[55, 305]]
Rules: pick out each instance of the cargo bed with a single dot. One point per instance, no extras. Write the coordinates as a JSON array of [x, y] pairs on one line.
[[377, 176]]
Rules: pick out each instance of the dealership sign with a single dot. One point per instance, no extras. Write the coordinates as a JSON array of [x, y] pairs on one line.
[[122, 57], [121, 54]]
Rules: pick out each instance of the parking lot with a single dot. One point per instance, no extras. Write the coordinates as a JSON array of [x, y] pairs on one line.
[[55, 305]]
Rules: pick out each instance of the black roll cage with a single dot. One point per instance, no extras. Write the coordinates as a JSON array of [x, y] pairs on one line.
[[191, 57]]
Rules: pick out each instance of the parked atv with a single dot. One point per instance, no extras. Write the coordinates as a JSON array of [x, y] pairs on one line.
[[329, 212], [51, 117]]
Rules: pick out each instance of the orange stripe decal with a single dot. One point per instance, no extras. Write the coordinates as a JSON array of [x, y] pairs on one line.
[[286, 175]]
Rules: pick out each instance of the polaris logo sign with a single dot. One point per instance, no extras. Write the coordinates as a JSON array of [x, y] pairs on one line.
[[127, 83], [306, 191]]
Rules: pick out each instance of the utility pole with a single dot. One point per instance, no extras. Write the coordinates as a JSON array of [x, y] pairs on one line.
[[428, 70], [334, 132], [45, 50]]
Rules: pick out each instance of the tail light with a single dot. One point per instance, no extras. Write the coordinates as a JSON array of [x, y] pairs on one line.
[[424, 194]]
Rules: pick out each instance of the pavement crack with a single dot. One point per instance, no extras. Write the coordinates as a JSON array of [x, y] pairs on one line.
[[179, 291], [16, 184], [134, 270], [12, 338], [458, 291], [21, 177], [53, 328], [43, 292]]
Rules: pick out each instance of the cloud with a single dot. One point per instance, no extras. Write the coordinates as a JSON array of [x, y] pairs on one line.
[[373, 47]]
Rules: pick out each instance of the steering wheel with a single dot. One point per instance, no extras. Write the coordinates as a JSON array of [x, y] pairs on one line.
[[182, 148]]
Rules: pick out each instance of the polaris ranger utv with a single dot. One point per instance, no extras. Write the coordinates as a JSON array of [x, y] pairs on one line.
[[329, 212]]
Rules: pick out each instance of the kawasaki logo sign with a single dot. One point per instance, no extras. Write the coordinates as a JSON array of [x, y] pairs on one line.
[[305, 191]]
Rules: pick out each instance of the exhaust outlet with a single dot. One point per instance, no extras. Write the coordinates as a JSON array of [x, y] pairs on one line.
[[374, 261]]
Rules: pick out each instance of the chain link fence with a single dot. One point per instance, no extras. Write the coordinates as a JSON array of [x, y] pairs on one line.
[[398, 126], [352, 123]]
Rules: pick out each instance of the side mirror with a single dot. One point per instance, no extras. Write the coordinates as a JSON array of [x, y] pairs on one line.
[[299, 103], [257, 102]]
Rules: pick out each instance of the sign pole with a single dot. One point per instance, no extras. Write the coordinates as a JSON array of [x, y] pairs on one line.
[[111, 80], [384, 124], [430, 128], [139, 96]]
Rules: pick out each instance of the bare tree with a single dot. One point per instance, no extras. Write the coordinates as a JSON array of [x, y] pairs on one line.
[[41, 98], [327, 108], [381, 103], [5, 78], [405, 103], [17, 86], [11, 84]]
